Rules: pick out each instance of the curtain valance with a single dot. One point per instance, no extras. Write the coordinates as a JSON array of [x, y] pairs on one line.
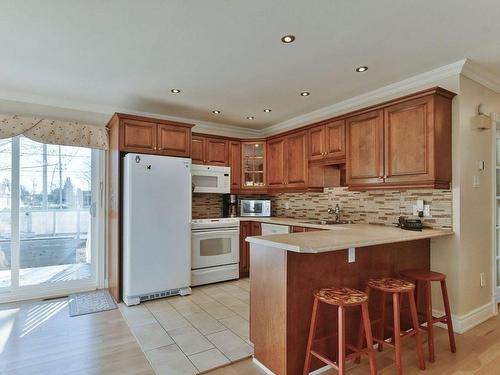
[[57, 132]]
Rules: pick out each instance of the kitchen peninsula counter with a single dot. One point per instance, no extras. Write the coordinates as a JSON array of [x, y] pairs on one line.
[[285, 269]]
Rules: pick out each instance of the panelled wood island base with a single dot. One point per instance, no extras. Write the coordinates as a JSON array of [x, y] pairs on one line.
[[285, 269]]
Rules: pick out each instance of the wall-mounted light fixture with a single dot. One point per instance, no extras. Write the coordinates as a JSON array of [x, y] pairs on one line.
[[481, 121]]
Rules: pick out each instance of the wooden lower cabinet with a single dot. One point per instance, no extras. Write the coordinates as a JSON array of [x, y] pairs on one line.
[[247, 229]]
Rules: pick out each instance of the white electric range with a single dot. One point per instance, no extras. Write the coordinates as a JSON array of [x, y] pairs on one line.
[[215, 250]]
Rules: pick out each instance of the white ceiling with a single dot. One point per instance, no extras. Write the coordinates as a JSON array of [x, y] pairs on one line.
[[112, 55]]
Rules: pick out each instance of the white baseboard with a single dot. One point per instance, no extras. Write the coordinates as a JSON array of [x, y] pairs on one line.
[[269, 372], [463, 323]]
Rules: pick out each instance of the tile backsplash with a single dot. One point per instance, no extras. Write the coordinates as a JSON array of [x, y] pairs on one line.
[[375, 207]]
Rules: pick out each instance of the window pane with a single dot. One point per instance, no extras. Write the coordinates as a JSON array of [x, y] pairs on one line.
[[55, 200], [5, 211]]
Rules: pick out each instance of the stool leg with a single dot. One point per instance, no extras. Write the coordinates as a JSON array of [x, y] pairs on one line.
[[416, 327], [369, 338], [417, 294], [428, 314], [397, 330], [449, 322], [361, 334], [381, 327], [312, 334], [341, 338]]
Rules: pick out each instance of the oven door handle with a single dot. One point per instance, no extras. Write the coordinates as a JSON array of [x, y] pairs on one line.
[[204, 232]]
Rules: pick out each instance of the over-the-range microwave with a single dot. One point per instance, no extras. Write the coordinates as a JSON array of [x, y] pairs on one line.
[[211, 179]]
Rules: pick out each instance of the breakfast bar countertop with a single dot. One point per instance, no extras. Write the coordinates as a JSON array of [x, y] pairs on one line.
[[343, 236]]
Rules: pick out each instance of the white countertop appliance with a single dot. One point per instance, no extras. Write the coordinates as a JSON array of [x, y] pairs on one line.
[[156, 227], [255, 207], [215, 250], [210, 179]]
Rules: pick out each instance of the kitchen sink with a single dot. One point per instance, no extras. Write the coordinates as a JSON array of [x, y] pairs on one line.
[[327, 222]]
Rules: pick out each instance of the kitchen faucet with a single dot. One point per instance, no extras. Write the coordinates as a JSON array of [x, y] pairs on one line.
[[335, 211]]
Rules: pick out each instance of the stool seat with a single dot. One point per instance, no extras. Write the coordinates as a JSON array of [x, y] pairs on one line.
[[391, 285], [341, 296], [423, 275]]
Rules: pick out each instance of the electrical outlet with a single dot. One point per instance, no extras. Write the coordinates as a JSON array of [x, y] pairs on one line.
[[351, 258], [482, 280], [427, 210], [476, 182], [287, 205]]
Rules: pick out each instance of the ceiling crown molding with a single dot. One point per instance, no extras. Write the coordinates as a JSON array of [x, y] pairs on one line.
[[369, 98], [481, 75]]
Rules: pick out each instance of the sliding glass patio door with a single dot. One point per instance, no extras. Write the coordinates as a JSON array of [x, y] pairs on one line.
[[48, 204]]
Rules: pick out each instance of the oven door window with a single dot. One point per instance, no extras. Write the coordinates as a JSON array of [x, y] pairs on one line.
[[215, 246]]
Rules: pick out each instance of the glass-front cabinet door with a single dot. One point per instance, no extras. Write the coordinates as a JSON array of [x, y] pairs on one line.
[[254, 166]]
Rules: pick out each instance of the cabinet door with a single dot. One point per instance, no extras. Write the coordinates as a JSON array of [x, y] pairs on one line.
[[296, 160], [255, 228], [408, 146], [138, 136], [316, 137], [364, 141], [198, 149], [244, 249], [335, 140], [235, 164], [296, 229], [216, 151], [276, 163], [174, 140]]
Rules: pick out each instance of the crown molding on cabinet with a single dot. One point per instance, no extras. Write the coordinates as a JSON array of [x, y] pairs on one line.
[[388, 92]]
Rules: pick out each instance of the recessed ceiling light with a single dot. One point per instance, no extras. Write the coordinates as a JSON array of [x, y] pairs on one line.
[[250, 117], [267, 110], [361, 69], [216, 112], [288, 38], [175, 91], [305, 93]]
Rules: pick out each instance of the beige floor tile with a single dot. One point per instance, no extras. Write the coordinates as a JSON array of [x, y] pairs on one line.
[[238, 325], [185, 306], [159, 305], [151, 336], [171, 319], [217, 310], [208, 360], [204, 323], [200, 297], [190, 340], [170, 360], [231, 345], [241, 308], [136, 315]]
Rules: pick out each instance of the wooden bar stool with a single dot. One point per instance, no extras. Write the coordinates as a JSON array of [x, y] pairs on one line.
[[342, 298], [397, 288], [426, 277]]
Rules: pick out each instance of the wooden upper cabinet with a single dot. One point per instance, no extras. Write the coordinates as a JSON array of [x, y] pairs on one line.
[[174, 140], [296, 160], [138, 136], [276, 163], [209, 150], [317, 143], [365, 159], [154, 136], [408, 146], [327, 141], [335, 140], [198, 149], [216, 151], [235, 164]]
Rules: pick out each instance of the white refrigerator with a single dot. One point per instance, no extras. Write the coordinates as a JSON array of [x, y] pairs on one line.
[[156, 227]]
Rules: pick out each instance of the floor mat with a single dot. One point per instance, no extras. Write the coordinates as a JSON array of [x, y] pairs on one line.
[[90, 302]]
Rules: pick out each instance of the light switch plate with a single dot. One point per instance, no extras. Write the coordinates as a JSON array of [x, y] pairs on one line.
[[427, 210], [476, 182], [351, 258]]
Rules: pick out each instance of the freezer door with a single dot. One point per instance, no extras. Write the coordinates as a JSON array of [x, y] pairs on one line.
[[156, 224]]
